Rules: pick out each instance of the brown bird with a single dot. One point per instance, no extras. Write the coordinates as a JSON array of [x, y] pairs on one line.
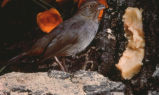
[[70, 37]]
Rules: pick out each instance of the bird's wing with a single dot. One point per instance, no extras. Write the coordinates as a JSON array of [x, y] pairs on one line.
[[64, 40], [41, 44]]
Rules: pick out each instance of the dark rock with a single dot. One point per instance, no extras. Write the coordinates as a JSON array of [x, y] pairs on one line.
[[156, 73], [106, 42], [113, 19], [153, 92], [143, 80], [95, 90], [120, 2]]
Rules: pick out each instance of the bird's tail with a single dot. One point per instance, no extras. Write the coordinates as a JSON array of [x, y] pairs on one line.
[[13, 60]]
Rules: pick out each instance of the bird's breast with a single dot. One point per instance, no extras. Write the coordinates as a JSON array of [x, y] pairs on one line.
[[85, 36]]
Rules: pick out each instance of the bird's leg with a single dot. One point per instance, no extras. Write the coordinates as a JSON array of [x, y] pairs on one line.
[[87, 62], [60, 64]]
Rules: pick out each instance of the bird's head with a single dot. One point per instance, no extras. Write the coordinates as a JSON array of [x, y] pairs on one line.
[[91, 9]]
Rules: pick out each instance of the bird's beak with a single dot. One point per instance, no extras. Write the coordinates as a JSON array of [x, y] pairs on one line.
[[100, 7]]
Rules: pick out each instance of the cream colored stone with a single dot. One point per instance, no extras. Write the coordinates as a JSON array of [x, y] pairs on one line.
[[131, 61]]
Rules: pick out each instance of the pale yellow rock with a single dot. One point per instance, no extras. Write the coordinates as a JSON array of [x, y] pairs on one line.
[[131, 61]]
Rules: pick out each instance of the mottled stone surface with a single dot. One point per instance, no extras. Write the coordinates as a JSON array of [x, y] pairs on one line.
[[59, 83], [153, 92], [156, 73]]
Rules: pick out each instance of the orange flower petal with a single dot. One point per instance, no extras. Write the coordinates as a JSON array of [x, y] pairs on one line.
[[100, 15], [80, 2], [104, 2], [4, 3], [101, 12], [60, 0], [48, 20]]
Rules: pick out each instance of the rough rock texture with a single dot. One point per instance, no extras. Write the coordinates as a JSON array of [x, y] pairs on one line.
[[156, 73], [112, 19], [153, 92], [59, 83], [144, 81]]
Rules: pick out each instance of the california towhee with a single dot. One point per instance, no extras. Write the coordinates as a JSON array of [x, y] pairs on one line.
[[70, 37]]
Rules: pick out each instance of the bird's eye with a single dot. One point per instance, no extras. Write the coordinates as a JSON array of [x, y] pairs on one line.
[[92, 6]]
